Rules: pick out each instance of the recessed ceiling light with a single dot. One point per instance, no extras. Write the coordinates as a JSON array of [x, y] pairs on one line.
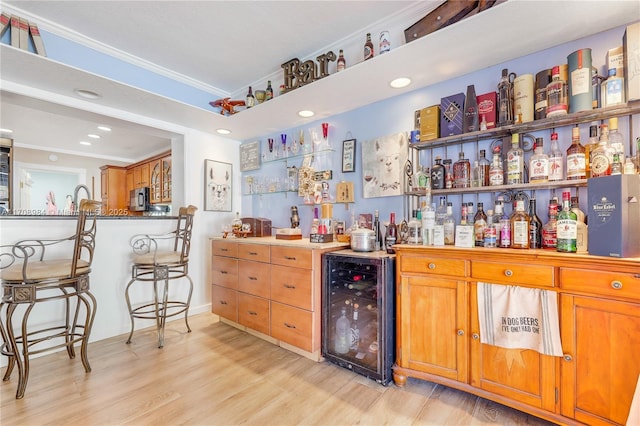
[[104, 128], [87, 94], [93, 136], [6, 130], [223, 131], [85, 143], [306, 113], [400, 82], [53, 157]]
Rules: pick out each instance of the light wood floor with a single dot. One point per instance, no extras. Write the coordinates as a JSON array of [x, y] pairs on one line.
[[219, 375]]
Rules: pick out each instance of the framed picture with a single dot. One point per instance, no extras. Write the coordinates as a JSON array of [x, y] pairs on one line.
[[348, 156], [383, 165], [217, 186]]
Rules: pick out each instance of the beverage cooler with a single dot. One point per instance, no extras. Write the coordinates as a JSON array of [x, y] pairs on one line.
[[358, 307]]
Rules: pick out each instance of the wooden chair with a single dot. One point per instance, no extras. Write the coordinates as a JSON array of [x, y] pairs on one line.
[[36, 271], [152, 264]]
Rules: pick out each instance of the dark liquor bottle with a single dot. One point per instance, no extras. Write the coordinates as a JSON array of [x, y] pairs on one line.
[[479, 225], [470, 120], [438, 175], [535, 226], [505, 98], [251, 100], [392, 234], [269, 92], [376, 229], [342, 64], [368, 48]]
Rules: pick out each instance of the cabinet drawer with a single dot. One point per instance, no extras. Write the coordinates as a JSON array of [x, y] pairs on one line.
[[257, 252], [606, 283], [434, 265], [224, 302], [254, 278], [224, 248], [253, 312], [291, 256], [224, 272], [291, 286], [513, 273], [292, 325]]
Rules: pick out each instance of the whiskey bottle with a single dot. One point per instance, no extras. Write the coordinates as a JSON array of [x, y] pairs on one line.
[[449, 226], [567, 227], [519, 227], [438, 175], [391, 236], [582, 230], [543, 78], [483, 169], [535, 226], [496, 171], [448, 173], [479, 225], [269, 92], [556, 160], [368, 47], [505, 98], [251, 100], [549, 229], [602, 155], [590, 147], [470, 120], [576, 160], [342, 64], [557, 100], [515, 161], [462, 172], [613, 92], [539, 164]]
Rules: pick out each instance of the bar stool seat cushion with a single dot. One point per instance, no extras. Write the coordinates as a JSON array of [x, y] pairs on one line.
[[47, 269], [159, 258]]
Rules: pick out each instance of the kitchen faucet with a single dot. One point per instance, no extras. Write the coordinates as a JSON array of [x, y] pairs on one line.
[[75, 195]]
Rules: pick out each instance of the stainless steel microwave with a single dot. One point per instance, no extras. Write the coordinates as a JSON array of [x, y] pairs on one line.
[[139, 199]]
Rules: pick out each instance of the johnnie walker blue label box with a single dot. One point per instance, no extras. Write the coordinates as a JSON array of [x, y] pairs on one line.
[[614, 216], [451, 115]]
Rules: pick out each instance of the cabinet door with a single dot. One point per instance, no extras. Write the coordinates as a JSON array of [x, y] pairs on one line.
[[520, 374], [601, 341], [156, 182], [253, 312], [129, 182], [224, 302], [166, 180], [254, 278], [432, 326], [224, 272], [104, 185]]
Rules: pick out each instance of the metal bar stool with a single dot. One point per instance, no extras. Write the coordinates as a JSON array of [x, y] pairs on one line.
[[28, 279], [158, 267]]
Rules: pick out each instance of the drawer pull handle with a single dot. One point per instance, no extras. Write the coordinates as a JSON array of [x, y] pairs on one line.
[[224, 249], [567, 357], [223, 272], [252, 313], [508, 272], [289, 286], [253, 278], [253, 253], [460, 332], [289, 325], [636, 275], [616, 284], [290, 257], [475, 336], [223, 302], [432, 266]]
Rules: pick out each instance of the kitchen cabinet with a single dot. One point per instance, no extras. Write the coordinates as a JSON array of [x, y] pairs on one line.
[[141, 175], [272, 287], [112, 180], [438, 332], [160, 180]]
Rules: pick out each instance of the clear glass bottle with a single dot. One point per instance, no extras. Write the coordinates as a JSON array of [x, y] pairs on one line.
[[250, 101], [535, 226], [475, 174], [567, 227], [342, 64], [515, 162], [504, 225], [448, 174], [391, 236], [602, 155], [490, 236], [616, 140], [462, 172], [343, 331], [268, 94], [519, 227], [479, 225], [539, 164], [496, 172], [613, 92], [354, 330], [449, 226], [556, 160], [470, 213], [576, 159], [557, 99], [483, 169], [590, 147], [438, 175], [368, 47], [629, 168], [415, 228], [582, 236], [236, 224], [616, 166], [441, 210], [549, 229], [428, 221]]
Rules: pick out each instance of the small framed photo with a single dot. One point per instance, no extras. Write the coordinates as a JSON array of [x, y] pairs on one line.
[[217, 186], [348, 156]]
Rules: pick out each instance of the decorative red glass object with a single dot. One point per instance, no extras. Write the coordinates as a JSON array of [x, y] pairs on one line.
[[325, 130]]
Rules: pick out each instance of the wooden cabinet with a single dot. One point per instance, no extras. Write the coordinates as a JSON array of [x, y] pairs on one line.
[[141, 175], [438, 331], [274, 287], [112, 180], [160, 180]]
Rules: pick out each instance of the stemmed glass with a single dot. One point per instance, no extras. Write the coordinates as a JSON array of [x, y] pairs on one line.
[[270, 142], [283, 138]]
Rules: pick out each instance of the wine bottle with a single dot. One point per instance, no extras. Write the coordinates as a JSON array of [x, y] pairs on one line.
[[391, 236], [269, 91], [535, 226], [368, 48], [343, 330], [251, 100], [470, 120]]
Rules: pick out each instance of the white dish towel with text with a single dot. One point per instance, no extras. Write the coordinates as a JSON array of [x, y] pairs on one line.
[[519, 317]]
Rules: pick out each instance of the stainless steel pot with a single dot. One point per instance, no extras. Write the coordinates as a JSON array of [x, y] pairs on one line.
[[363, 239]]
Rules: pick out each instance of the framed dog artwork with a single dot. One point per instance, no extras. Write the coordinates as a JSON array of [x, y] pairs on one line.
[[217, 186]]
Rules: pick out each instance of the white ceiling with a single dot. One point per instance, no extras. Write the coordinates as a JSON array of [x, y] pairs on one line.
[[221, 47]]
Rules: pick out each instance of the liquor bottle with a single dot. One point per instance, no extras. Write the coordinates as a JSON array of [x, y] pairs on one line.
[[535, 226], [428, 221], [470, 121], [470, 213], [504, 225], [269, 92], [549, 229], [567, 228], [557, 100], [376, 229], [463, 214], [515, 162], [505, 99], [629, 168], [462, 172], [424, 178], [613, 92], [438, 175], [543, 78], [448, 174], [418, 180], [449, 226], [479, 225], [392, 234], [539, 164], [475, 174], [576, 160], [368, 48], [483, 169], [616, 166], [616, 140], [342, 64], [556, 160], [415, 228], [490, 231], [519, 227], [236, 224], [251, 100], [602, 155], [496, 172], [315, 224], [441, 210], [582, 236], [354, 330], [590, 147], [343, 330]]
